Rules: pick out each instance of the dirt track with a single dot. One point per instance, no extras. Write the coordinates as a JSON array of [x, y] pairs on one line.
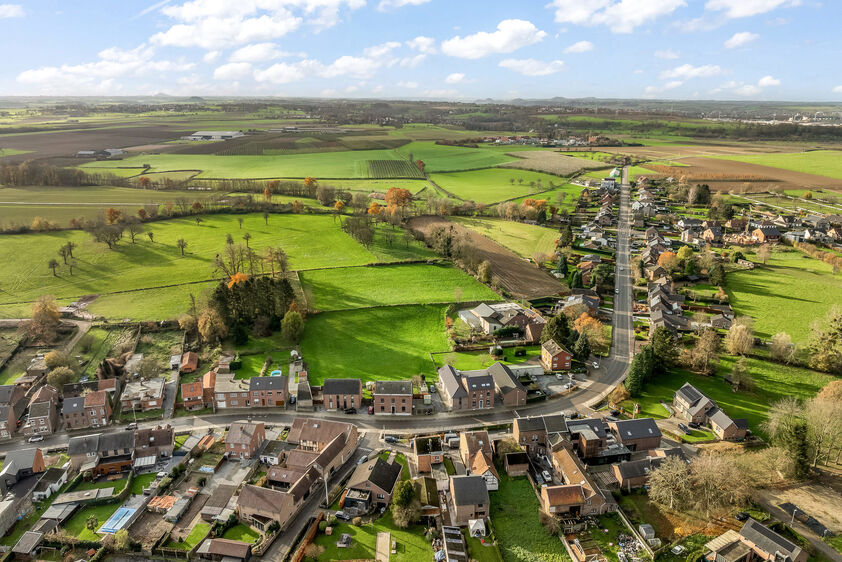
[[519, 277]]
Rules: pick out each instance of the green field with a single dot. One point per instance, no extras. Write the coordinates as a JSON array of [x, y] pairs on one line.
[[385, 343], [241, 532], [344, 164], [441, 158], [786, 295], [514, 514], [76, 524], [411, 544], [826, 163], [361, 287], [473, 360], [310, 241], [523, 239], [197, 533], [494, 184], [12, 152]]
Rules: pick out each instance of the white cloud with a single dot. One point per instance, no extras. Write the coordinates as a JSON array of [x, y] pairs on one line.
[[768, 81], [390, 4], [672, 85], [455, 78], [410, 85], [285, 73], [382, 50], [11, 11], [579, 47], [532, 67], [211, 56], [423, 44], [358, 67], [621, 16], [667, 54], [687, 71], [257, 52], [412, 62], [837, 89], [746, 8], [740, 39], [510, 36], [747, 90], [232, 71]]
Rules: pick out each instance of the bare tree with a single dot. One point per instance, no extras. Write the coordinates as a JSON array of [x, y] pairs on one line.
[[247, 237], [134, 228], [764, 252], [782, 349], [669, 485], [824, 428], [740, 339], [181, 243], [53, 264]]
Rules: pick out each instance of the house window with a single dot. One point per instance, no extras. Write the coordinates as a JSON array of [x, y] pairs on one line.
[[403, 408], [381, 497], [243, 445]]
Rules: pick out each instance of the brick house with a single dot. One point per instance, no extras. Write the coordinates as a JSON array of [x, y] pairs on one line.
[[466, 390], [143, 395], [755, 541], [259, 507], [567, 500], [507, 385], [690, 404], [268, 392], [42, 418], [724, 427], [192, 395], [766, 233], [371, 485], [641, 434], [475, 452], [531, 435], [340, 394], [468, 499], [153, 443], [244, 439], [189, 362], [12, 406], [428, 451], [393, 397], [229, 392], [554, 357], [91, 410]]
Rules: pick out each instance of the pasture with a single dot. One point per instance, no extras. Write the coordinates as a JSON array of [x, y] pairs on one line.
[[363, 287], [311, 241], [384, 343], [785, 295], [493, 184], [552, 162], [442, 158], [523, 239], [826, 163]]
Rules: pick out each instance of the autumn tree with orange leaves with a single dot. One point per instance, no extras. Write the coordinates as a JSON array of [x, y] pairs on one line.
[[311, 182], [591, 327], [238, 277], [112, 215], [143, 181], [669, 261], [421, 165], [375, 208], [398, 197]]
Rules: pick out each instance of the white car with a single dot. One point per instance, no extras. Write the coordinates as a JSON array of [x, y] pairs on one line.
[[616, 291], [36, 439], [546, 476], [568, 386], [595, 365], [560, 376]]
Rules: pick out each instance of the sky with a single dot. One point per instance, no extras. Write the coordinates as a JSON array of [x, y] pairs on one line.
[[781, 50]]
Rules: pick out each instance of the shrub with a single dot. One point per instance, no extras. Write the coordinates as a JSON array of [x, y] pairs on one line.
[[322, 525], [357, 521]]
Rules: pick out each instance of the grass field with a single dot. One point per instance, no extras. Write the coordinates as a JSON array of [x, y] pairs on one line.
[[820, 162], [310, 241], [12, 152], [441, 158], [785, 295], [361, 287], [241, 532], [494, 184], [411, 544], [472, 360], [514, 513], [385, 343], [344, 164], [522, 239], [197, 533], [76, 525], [482, 552]]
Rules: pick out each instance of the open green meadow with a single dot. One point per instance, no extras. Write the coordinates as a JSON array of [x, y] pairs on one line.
[[568, 201], [523, 239], [475, 360], [12, 152], [494, 184], [442, 158], [826, 163], [311, 241], [785, 295], [384, 343], [362, 287], [411, 544]]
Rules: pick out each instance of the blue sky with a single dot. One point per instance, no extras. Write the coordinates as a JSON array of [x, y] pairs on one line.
[[440, 49]]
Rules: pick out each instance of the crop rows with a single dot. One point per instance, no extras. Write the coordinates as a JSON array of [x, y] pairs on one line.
[[384, 169]]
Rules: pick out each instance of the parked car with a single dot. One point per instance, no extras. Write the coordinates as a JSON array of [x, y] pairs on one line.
[[432, 388], [677, 549], [611, 418], [350, 410], [694, 425], [342, 515], [560, 376], [684, 428], [546, 476], [595, 365], [131, 427], [616, 291], [371, 410], [390, 439], [568, 386], [741, 516], [35, 439], [614, 412], [363, 459]]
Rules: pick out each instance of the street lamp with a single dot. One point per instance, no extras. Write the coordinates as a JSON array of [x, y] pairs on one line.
[[324, 478], [791, 521]]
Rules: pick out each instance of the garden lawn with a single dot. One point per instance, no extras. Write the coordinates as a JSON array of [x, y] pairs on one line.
[[826, 163], [197, 533], [361, 287], [385, 343], [76, 524], [441, 158], [243, 533], [143, 480], [251, 364], [473, 360], [323, 165], [772, 383], [494, 184], [23, 525], [523, 239], [786, 295], [480, 552], [411, 544], [118, 485], [520, 534], [310, 241], [553, 196]]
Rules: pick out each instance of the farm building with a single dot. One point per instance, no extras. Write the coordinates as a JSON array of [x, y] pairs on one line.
[[213, 135]]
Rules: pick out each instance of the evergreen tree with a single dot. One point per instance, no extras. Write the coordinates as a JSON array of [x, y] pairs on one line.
[[556, 329], [664, 350], [796, 444], [562, 265], [717, 275], [576, 280], [566, 238], [582, 349]]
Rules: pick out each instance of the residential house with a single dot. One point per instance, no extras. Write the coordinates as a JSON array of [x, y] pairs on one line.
[[573, 473], [274, 451], [20, 464], [755, 541], [507, 385], [50, 483], [224, 550], [189, 362], [640, 434], [465, 390], [371, 486], [724, 427], [562, 500], [691, 404], [428, 451], [393, 397], [766, 233], [475, 452], [229, 392], [259, 507], [97, 408], [720, 322], [143, 395], [490, 318], [244, 440], [588, 303], [530, 434], [152, 444], [192, 395], [554, 357], [736, 225], [341, 394], [635, 474], [268, 392], [42, 418], [712, 235], [115, 452], [12, 406], [468, 499]]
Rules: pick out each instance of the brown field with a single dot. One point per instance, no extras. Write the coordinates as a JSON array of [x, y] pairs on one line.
[[519, 277], [670, 152], [551, 162]]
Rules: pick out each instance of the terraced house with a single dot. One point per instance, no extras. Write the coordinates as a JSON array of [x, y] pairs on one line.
[[341, 394], [393, 398]]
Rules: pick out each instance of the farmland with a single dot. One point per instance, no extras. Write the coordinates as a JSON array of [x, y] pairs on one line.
[[785, 295], [385, 343], [819, 162], [362, 287], [523, 239], [551, 162], [441, 158], [493, 184]]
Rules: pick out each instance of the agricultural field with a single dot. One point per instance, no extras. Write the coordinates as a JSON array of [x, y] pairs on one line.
[[493, 184], [363, 287], [785, 295], [826, 163], [384, 343], [311, 241], [551, 162], [442, 158], [12, 152], [523, 239]]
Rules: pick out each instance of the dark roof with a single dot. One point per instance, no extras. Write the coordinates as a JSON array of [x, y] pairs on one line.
[[768, 540], [116, 440], [478, 380], [639, 428], [227, 547], [504, 378], [382, 474], [275, 448], [468, 490], [21, 458], [83, 445], [393, 387], [450, 381], [40, 410], [342, 386], [262, 499], [595, 425], [741, 423], [555, 423], [720, 418], [28, 542], [73, 405], [636, 469], [50, 476], [267, 383], [530, 424], [221, 496]]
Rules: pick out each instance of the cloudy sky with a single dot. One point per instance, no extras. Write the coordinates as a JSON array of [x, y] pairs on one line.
[[451, 49]]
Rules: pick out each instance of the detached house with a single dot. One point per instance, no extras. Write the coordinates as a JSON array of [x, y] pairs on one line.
[[468, 499], [371, 485], [465, 391], [692, 405], [393, 397], [755, 541], [340, 394], [475, 452], [143, 395], [640, 434], [244, 440], [555, 357], [766, 233]]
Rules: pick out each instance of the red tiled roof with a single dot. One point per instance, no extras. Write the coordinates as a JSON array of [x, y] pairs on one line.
[[191, 390]]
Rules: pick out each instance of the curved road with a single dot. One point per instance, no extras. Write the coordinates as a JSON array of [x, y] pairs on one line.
[[612, 370]]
